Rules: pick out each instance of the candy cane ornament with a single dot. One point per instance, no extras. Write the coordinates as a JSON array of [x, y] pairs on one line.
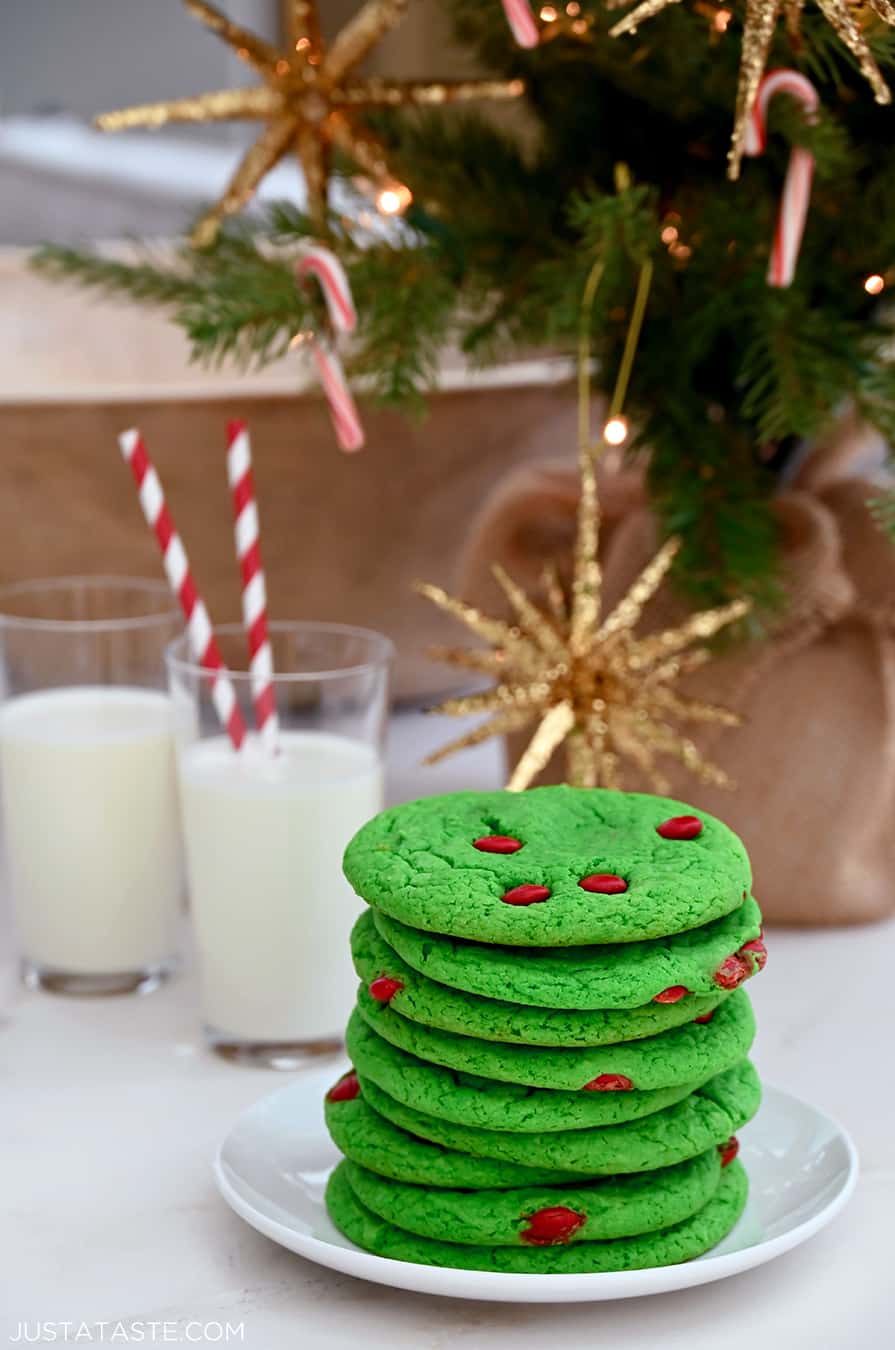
[[254, 584], [202, 641], [796, 194], [522, 22], [322, 264], [343, 410]]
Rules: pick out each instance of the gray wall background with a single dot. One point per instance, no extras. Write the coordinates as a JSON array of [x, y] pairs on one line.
[[79, 56]]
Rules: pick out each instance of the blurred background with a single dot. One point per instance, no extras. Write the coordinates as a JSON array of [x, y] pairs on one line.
[[61, 64]]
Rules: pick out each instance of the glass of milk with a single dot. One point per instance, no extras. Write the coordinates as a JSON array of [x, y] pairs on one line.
[[91, 828], [265, 833]]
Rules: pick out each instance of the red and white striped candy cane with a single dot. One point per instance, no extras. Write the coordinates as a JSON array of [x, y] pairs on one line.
[[254, 584], [322, 263], [343, 410], [522, 22], [800, 171], [200, 634]]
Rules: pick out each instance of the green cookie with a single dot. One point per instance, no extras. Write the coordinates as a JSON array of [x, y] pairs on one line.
[[469, 1100], [626, 975], [706, 1118], [684, 1241], [685, 1055], [424, 1000], [610, 1208], [369, 1139], [418, 864]]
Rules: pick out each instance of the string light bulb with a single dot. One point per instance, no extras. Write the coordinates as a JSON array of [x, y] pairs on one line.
[[615, 432], [874, 284], [394, 199], [548, 14], [300, 339]]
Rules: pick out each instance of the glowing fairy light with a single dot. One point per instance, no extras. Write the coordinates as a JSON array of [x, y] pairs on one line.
[[394, 199], [874, 284], [615, 432]]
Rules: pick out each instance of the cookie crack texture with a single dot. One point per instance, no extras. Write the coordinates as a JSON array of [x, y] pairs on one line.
[[704, 1119], [685, 1054], [417, 863], [614, 975]]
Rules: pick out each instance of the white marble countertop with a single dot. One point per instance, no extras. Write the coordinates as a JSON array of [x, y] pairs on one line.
[[112, 1111]]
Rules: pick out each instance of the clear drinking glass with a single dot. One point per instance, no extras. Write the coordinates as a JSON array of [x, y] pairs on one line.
[[265, 834], [91, 828]]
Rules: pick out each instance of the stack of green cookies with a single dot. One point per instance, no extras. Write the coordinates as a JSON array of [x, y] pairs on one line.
[[550, 1040]]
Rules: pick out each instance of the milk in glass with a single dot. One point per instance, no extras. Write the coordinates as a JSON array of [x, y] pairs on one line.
[[91, 824], [271, 910]]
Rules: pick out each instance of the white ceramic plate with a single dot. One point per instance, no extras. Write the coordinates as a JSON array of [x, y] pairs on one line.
[[273, 1165]]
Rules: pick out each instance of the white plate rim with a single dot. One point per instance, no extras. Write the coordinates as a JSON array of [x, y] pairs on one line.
[[503, 1286]]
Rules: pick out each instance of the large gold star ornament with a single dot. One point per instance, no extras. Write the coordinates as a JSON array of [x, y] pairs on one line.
[[309, 103], [587, 681], [759, 28]]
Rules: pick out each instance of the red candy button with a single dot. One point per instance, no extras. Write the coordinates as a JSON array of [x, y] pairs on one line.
[[497, 843], [609, 1082], [526, 895], [706, 1017], [732, 971], [549, 1227], [603, 883], [729, 1150], [345, 1090], [673, 994], [758, 951], [680, 827], [384, 988]]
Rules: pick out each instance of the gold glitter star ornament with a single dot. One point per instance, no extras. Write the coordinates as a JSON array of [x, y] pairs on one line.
[[585, 681], [309, 103]]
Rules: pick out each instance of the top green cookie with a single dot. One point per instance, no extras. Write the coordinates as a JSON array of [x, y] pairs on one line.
[[431, 865]]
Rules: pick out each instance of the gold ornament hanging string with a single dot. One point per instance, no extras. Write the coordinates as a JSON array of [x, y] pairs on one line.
[[587, 682]]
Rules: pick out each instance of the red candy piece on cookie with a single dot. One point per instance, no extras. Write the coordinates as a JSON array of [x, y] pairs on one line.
[[603, 883], [526, 895], [552, 1226], [384, 988], [345, 1090], [680, 827], [732, 971], [706, 1017], [673, 994], [758, 952], [729, 1150], [609, 1082], [497, 843]]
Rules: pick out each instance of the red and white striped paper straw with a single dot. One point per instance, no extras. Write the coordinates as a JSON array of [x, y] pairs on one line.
[[522, 22], [200, 634], [796, 194], [254, 584]]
